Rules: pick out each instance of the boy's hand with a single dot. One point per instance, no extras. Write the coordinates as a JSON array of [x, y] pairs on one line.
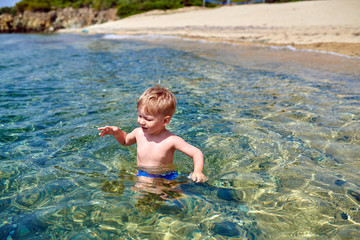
[[198, 177], [108, 130]]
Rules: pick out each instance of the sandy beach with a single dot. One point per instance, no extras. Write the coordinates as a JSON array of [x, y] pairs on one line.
[[328, 25]]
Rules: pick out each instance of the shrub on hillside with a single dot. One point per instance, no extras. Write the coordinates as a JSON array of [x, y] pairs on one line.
[[35, 5], [8, 10]]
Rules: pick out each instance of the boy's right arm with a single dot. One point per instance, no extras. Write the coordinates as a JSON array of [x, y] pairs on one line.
[[121, 137]]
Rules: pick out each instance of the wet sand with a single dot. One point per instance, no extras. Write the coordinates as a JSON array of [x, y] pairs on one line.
[[329, 25]]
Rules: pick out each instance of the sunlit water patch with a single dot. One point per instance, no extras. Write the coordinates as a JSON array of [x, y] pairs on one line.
[[280, 131]]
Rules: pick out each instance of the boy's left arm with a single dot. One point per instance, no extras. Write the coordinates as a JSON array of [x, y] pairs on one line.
[[197, 157]]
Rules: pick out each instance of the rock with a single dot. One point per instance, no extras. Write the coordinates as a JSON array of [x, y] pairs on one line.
[[356, 195], [82, 236], [5, 231], [227, 229], [54, 20], [169, 209], [6, 21], [339, 182], [226, 194]]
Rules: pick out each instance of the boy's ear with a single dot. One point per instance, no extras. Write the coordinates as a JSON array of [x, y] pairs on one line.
[[167, 120]]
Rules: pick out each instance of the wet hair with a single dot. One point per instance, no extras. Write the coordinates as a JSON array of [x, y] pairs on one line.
[[157, 100]]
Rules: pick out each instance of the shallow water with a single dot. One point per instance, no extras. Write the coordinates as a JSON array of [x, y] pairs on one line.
[[280, 131]]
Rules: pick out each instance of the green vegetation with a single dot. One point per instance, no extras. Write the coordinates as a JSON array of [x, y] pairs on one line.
[[125, 7], [47, 5], [131, 7], [8, 10]]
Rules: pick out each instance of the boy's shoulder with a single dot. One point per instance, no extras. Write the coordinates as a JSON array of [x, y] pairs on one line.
[[173, 137], [137, 130]]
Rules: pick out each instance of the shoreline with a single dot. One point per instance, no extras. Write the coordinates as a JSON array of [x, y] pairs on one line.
[[326, 26], [345, 49]]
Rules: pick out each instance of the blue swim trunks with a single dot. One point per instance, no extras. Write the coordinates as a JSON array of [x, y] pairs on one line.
[[168, 175]]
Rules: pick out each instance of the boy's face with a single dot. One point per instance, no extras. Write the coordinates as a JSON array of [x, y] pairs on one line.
[[152, 124]]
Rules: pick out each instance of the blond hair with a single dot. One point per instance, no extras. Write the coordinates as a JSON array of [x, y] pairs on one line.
[[157, 100]]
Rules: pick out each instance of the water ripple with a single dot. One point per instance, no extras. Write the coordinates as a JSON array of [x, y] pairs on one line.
[[281, 141]]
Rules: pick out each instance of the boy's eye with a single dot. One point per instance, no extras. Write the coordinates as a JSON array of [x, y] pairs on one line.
[[145, 118]]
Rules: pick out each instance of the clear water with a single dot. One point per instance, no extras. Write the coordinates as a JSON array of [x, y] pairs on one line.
[[280, 131]]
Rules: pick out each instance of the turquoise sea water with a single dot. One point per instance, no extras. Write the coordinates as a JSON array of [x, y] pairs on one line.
[[280, 131]]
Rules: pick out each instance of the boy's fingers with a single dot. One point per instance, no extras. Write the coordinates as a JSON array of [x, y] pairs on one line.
[[204, 179], [102, 133], [199, 178], [195, 179]]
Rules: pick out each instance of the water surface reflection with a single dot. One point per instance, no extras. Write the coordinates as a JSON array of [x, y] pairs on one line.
[[280, 135]]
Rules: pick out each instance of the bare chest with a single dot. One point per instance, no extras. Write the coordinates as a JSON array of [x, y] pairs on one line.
[[154, 153]]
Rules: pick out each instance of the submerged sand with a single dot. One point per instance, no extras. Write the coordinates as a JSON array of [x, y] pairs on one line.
[[328, 25]]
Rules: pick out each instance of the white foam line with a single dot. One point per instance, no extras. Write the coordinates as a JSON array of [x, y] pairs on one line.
[[310, 50], [139, 37], [150, 37]]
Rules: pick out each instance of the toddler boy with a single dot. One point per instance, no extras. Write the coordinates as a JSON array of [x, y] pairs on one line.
[[155, 144]]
